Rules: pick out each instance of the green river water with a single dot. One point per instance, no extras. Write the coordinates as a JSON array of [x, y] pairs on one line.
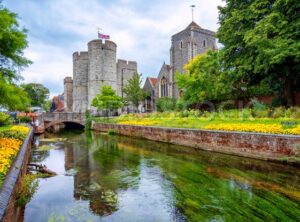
[[120, 179]]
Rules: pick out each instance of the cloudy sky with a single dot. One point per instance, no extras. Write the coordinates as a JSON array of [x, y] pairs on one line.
[[141, 29]]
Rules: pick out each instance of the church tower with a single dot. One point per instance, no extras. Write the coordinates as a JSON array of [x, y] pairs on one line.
[[188, 43]]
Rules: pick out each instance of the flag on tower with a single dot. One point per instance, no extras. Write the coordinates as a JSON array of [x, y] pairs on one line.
[[102, 36]]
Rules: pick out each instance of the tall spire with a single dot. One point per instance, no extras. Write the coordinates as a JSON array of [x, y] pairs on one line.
[[192, 7]]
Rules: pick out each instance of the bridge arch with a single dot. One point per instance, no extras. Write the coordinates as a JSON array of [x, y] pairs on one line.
[[67, 124]]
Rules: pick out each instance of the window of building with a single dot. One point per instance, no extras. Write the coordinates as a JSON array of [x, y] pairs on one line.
[[204, 43], [163, 87], [181, 44]]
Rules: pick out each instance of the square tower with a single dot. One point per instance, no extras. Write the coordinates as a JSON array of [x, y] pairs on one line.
[[188, 43]]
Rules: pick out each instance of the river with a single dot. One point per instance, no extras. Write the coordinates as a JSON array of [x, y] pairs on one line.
[[119, 179]]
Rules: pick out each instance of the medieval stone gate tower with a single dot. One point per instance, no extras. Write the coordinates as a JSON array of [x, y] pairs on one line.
[[93, 69]]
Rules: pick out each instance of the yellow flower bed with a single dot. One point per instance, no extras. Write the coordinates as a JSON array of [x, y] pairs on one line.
[[255, 127], [8, 150], [141, 122], [22, 129]]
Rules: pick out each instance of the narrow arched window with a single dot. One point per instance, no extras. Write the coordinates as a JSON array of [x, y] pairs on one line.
[[181, 44], [204, 43], [163, 87]]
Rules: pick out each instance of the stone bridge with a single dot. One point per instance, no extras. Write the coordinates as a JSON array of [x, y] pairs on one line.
[[47, 120]]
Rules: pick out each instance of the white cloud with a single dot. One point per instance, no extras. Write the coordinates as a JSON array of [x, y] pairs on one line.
[[142, 31]]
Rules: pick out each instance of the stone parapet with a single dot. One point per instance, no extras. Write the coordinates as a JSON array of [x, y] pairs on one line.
[[9, 211]]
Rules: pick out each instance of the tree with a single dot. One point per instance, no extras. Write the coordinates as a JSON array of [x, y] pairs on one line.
[[12, 43], [38, 93], [205, 79], [134, 93], [261, 43], [13, 97], [107, 99]]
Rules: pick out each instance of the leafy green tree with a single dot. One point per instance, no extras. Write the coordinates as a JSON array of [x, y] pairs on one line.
[[164, 104], [261, 43], [204, 79], [38, 93], [107, 99], [12, 44], [133, 91], [13, 97]]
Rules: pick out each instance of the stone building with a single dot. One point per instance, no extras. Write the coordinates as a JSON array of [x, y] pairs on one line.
[[91, 70], [185, 45], [149, 103]]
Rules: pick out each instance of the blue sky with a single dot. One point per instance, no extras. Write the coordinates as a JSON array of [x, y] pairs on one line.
[[141, 29]]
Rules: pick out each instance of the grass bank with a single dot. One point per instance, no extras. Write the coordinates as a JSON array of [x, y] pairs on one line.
[[247, 120]]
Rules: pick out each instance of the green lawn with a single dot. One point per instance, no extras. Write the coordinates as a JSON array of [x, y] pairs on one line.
[[225, 121]]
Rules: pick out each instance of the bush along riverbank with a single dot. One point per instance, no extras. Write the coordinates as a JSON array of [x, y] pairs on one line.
[[273, 121]]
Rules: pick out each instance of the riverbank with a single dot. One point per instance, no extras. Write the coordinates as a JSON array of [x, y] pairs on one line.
[[272, 147], [17, 169], [246, 120]]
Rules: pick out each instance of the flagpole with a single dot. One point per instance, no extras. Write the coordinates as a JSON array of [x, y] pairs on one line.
[[193, 6]]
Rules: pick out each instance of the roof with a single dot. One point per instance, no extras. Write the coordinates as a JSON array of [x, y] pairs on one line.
[[193, 25], [152, 81]]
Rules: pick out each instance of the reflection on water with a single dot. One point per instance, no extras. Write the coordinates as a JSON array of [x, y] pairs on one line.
[[111, 178]]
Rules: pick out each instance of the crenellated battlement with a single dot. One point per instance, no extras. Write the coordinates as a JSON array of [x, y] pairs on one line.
[[126, 64], [94, 68], [80, 55], [104, 45]]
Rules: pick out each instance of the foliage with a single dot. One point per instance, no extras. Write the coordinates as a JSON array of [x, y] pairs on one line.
[[27, 188], [165, 104], [4, 119], [15, 132], [261, 43], [13, 97], [38, 93], [285, 121], [257, 105], [133, 91], [8, 150], [107, 99], [88, 120], [47, 105], [11, 140], [112, 132], [12, 43], [255, 127], [205, 79], [23, 119]]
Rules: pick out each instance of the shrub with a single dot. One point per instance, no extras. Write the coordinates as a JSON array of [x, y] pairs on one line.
[[278, 112], [257, 105], [229, 104], [28, 187], [5, 119], [23, 119], [261, 113], [295, 112], [165, 104]]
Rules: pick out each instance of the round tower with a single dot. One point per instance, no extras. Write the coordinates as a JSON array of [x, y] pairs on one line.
[[102, 67], [80, 81]]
